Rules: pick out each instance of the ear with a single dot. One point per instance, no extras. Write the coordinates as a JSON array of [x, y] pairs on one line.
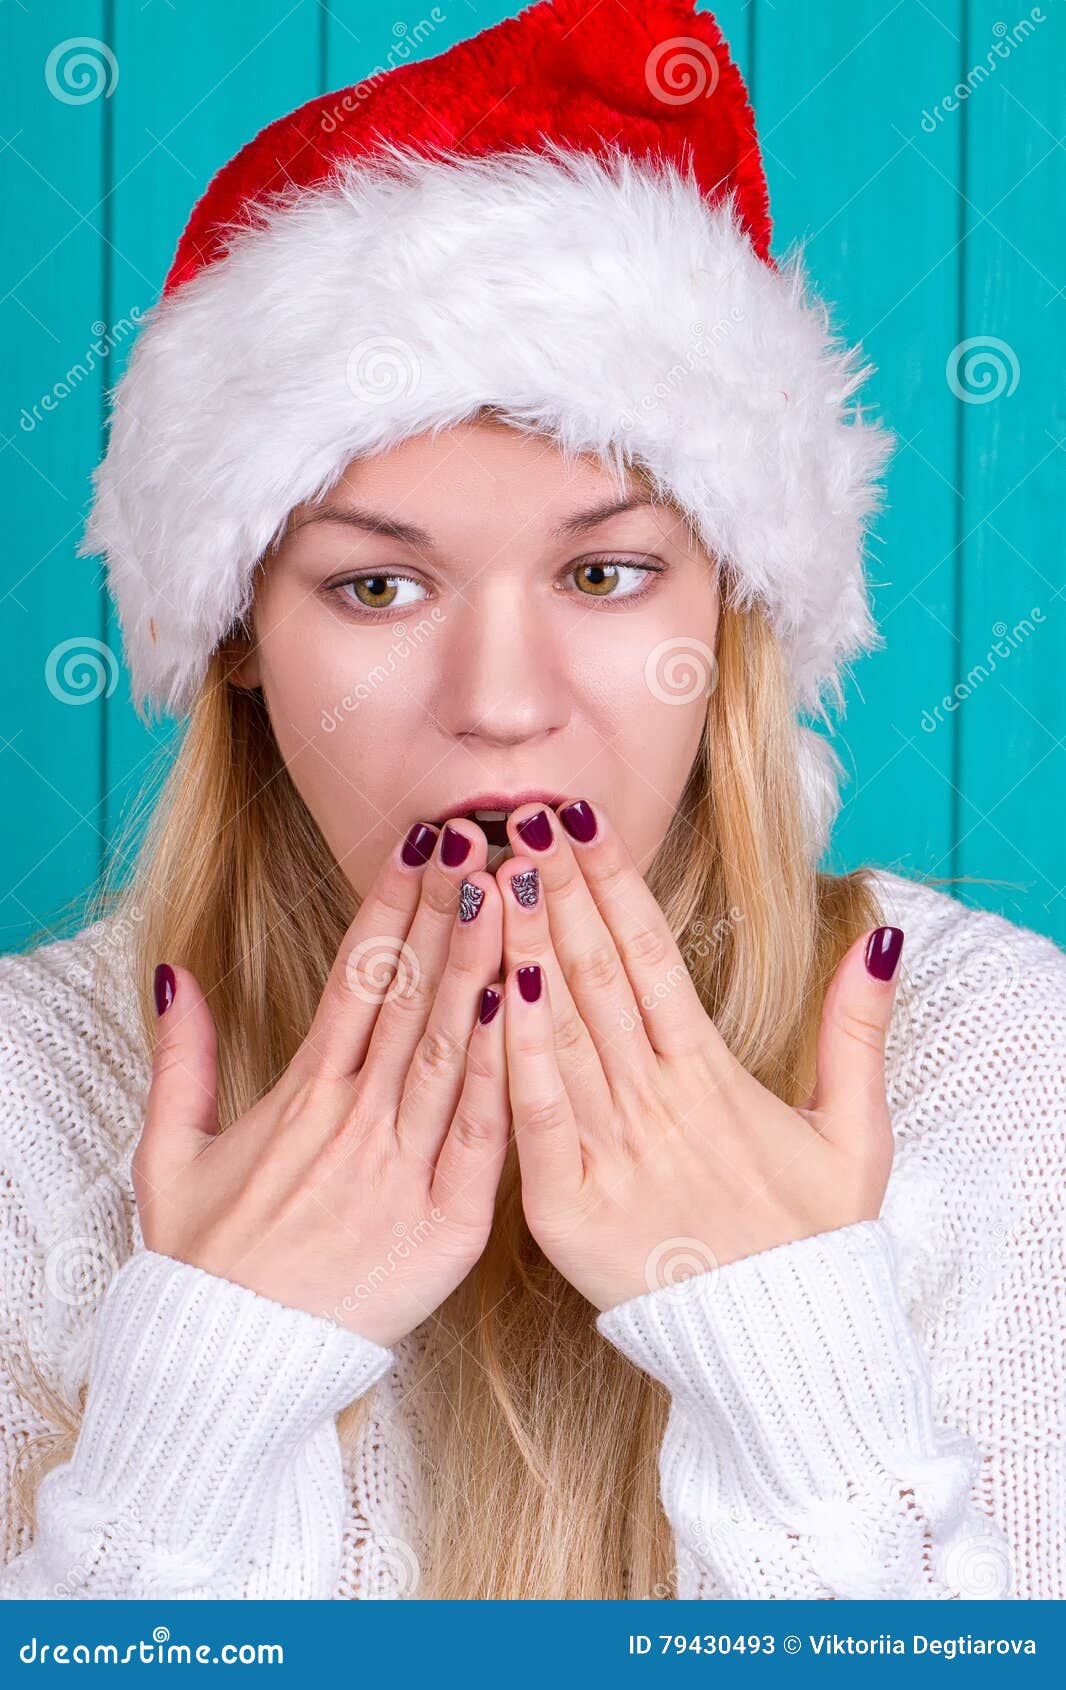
[[246, 672], [242, 659]]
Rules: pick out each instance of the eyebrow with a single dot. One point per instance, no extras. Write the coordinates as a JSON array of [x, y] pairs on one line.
[[376, 522]]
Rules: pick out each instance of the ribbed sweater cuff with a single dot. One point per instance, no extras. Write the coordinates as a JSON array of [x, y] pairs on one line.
[[200, 1390], [799, 1364]]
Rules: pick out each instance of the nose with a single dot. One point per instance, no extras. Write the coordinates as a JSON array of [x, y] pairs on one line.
[[504, 678]]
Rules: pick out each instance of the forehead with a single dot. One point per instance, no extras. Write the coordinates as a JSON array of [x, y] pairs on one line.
[[484, 473]]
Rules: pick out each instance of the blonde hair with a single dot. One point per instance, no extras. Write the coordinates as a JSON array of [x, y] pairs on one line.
[[539, 1441]]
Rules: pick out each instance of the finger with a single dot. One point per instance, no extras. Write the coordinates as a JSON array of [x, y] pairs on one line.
[[181, 1114], [472, 1156], [435, 1076], [591, 964], [670, 1007], [528, 938], [545, 1130], [403, 1013], [849, 1096], [367, 960]]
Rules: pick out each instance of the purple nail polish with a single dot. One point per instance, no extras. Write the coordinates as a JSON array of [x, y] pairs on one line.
[[471, 898], [579, 820], [490, 1003], [536, 831], [164, 985], [882, 952], [526, 887], [529, 981], [418, 846], [454, 847]]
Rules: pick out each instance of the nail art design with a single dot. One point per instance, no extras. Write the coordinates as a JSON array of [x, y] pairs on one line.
[[526, 887], [490, 1003], [529, 981], [471, 898]]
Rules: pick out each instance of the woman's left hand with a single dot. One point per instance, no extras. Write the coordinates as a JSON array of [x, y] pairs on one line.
[[647, 1151]]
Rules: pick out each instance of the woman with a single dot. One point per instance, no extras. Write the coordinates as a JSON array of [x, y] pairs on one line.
[[477, 1154]]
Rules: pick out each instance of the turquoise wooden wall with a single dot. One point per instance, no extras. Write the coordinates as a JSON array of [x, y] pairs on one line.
[[915, 145]]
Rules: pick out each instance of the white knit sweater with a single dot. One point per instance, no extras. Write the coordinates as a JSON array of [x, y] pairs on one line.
[[876, 1411]]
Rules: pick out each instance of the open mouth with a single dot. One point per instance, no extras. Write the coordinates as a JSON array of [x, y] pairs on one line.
[[493, 823]]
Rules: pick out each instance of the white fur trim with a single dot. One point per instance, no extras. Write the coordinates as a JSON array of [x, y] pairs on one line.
[[606, 303]]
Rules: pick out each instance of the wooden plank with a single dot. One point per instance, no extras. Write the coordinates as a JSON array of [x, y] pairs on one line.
[[1012, 709], [52, 314], [841, 93], [201, 79]]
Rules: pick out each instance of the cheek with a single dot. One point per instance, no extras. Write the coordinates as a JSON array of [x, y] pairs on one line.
[[649, 685], [344, 704]]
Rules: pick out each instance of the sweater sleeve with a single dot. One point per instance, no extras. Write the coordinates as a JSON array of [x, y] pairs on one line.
[[802, 1457], [208, 1462]]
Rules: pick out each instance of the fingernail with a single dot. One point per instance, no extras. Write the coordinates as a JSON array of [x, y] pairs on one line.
[[164, 985], [454, 847], [882, 952], [418, 846], [529, 981], [526, 887], [471, 898], [536, 831], [579, 820], [490, 1003]]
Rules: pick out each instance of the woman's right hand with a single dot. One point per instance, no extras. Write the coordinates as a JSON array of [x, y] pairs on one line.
[[361, 1187]]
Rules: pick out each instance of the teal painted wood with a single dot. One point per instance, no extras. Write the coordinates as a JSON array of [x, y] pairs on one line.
[[52, 183], [840, 105], [866, 165], [1011, 715], [201, 80]]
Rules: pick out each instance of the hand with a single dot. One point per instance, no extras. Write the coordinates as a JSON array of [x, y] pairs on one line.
[[361, 1187], [647, 1151]]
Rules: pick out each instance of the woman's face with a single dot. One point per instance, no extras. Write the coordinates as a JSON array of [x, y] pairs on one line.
[[463, 617]]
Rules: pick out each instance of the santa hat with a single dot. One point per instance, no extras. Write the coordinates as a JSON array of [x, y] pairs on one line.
[[565, 217]]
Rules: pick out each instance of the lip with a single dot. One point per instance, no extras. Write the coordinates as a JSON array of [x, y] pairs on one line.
[[507, 801]]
